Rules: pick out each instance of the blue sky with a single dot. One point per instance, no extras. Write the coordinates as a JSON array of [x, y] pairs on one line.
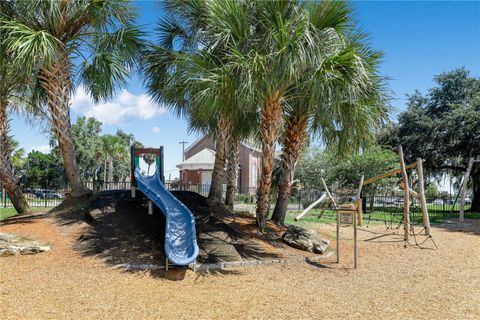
[[419, 39]]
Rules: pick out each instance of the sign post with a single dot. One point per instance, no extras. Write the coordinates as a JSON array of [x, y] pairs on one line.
[[347, 215]]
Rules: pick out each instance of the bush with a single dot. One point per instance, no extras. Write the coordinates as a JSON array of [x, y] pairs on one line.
[[245, 198]]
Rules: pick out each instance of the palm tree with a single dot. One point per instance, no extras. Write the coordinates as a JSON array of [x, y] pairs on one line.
[[13, 89], [243, 125], [7, 176], [93, 42], [194, 79], [111, 149], [149, 160], [342, 99], [282, 49]]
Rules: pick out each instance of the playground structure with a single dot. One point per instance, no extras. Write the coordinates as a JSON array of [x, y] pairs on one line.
[[181, 246], [352, 213]]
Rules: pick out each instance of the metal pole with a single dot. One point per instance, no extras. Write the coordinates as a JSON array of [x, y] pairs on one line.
[[162, 168], [299, 199], [45, 194], [150, 208], [132, 171], [183, 142]]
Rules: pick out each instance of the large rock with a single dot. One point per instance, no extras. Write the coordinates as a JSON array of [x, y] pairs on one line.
[[11, 244], [305, 239]]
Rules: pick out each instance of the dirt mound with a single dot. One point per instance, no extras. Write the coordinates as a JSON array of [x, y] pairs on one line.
[[122, 232]]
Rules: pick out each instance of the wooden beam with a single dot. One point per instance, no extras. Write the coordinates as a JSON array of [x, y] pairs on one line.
[[412, 192], [423, 201], [406, 194], [328, 192], [140, 151], [358, 201], [304, 212], [464, 189], [388, 174]]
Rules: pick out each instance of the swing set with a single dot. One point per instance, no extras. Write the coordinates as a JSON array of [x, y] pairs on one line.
[[352, 213]]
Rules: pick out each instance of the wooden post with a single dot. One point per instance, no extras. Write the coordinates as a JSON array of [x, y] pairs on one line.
[[406, 194], [355, 237], [423, 201], [328, 192], [464, 190], [358, 201], [359, 211], [338, 236]]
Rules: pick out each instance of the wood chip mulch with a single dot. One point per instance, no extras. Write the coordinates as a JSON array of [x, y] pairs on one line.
[[392, 282]]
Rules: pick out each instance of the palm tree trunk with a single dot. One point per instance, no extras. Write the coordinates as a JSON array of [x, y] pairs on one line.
[[105, 174], [55, 80], [271, 116], [110, 169], [294, 139], [216, 188], [232, 165], [6, 173]]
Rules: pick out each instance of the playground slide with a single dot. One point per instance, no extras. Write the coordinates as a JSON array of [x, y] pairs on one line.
[[180, 237]]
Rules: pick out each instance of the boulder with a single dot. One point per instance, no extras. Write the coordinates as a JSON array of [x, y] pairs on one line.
[[305, 239], [11, 244]]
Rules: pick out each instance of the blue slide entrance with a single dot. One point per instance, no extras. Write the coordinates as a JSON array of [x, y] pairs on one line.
[[180, 236]]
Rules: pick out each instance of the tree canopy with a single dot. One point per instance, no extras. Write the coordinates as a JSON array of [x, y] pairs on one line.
[[442, 127]]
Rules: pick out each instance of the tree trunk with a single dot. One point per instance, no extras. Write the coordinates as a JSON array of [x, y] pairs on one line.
[[55, 80], [7, 176], [105, 174], [216, 188], [110, 169], [476, 191], [294, 139], [232, 165], [271, 116]]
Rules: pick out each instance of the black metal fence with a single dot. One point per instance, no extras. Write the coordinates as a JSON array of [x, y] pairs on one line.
[[36, 197], [388, 206], [373, 205]]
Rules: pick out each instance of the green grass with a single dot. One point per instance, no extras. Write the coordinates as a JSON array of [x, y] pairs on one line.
[[10, 212], [394, 215]]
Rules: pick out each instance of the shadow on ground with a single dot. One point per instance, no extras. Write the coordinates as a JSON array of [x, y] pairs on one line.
[[22, 219], [121, 232]]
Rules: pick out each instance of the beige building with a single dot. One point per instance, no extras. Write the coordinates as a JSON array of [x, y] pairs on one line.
[[200, 157]]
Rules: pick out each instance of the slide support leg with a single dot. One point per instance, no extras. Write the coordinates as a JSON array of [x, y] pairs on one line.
[[150, 208]]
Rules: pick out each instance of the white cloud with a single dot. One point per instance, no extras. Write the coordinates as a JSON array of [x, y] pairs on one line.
[[156, 129], [122, 107], [43, 149]]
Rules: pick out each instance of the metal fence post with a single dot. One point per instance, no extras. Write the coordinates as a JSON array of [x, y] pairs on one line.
[[299, 199], [443, 205], [45, 193]]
